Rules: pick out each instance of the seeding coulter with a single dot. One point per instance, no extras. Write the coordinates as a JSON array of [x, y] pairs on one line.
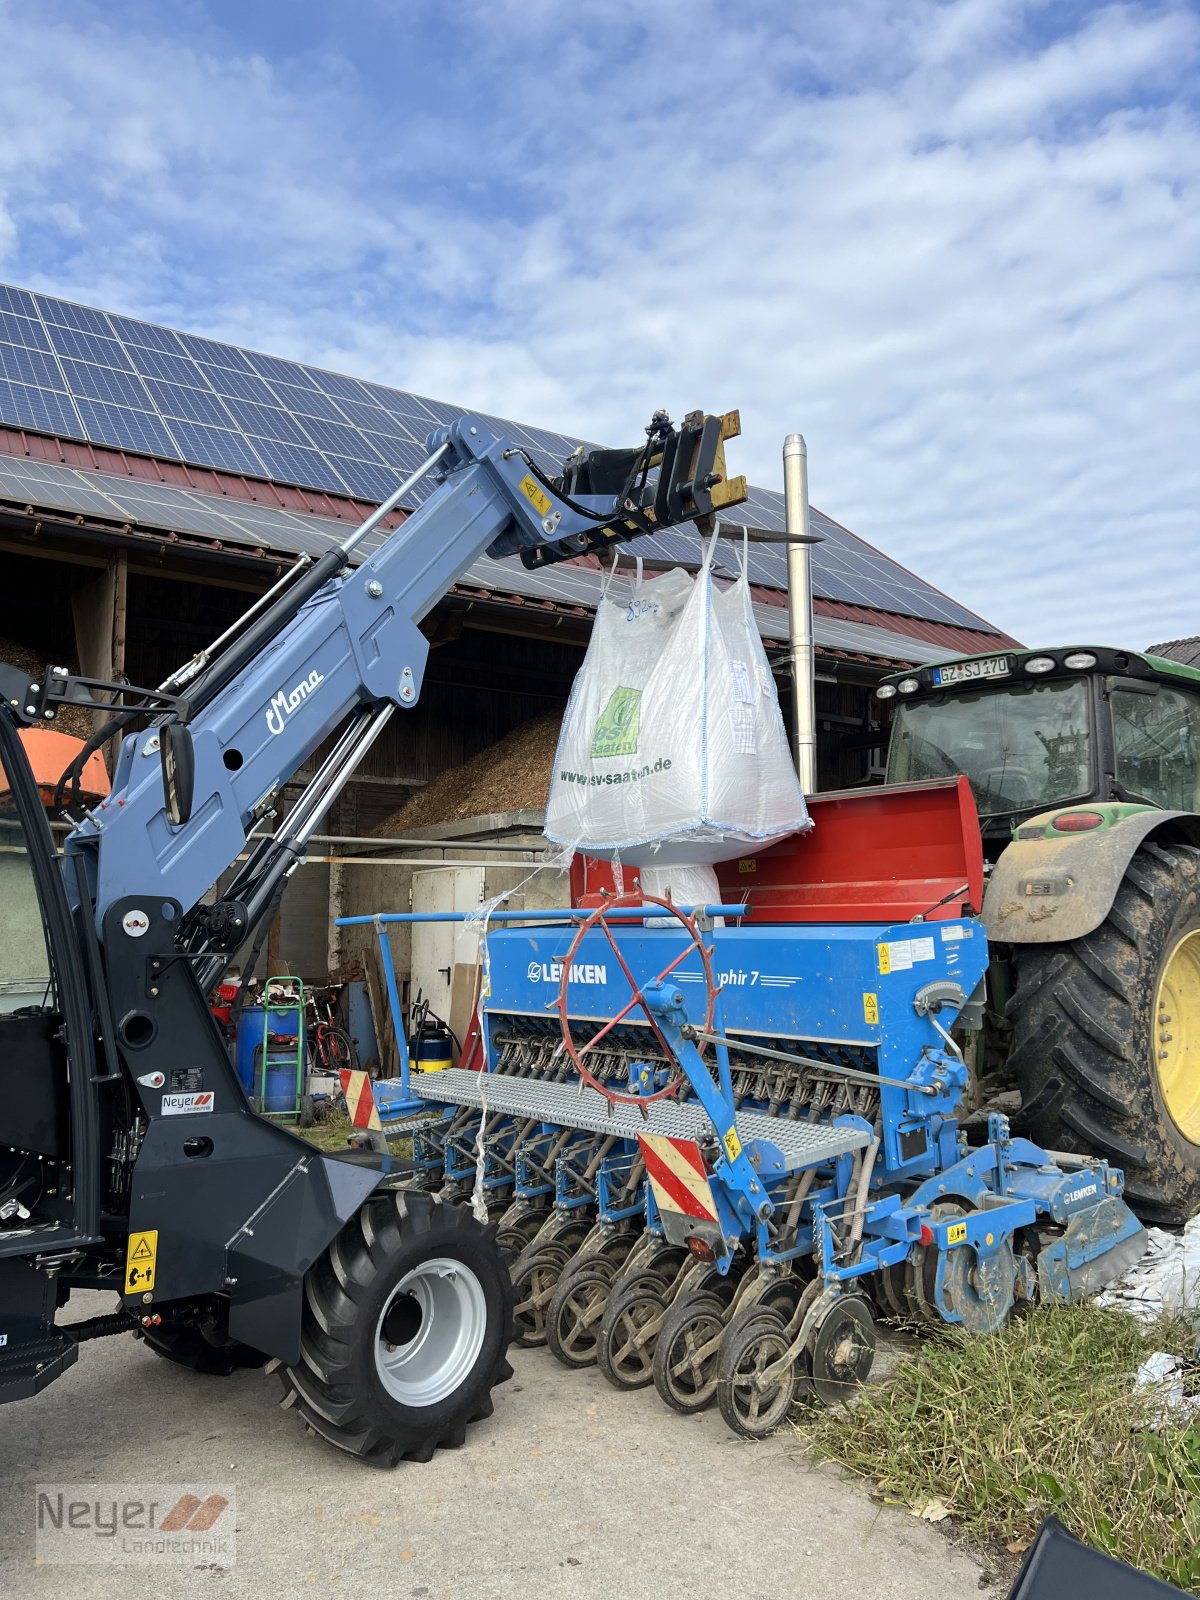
[[720, 1142]]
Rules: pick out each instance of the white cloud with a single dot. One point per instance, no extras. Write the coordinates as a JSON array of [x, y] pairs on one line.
[[956, 244]]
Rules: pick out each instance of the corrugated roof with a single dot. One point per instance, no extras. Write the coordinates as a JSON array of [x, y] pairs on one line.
[[40, 486]]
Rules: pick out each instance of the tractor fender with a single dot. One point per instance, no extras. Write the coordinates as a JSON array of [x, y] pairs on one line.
[[1051, 890]]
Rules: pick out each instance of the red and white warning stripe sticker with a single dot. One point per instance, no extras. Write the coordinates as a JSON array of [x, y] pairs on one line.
[[360, 1102], [677, 1175]]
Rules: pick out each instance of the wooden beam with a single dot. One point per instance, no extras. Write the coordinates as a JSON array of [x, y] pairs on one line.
[[98, 611]]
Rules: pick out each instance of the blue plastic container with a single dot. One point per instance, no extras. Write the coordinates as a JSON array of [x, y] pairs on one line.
[[280, 1087], [250, 1038]]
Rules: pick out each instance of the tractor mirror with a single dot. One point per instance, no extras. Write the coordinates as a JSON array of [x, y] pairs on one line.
[[178, 770]]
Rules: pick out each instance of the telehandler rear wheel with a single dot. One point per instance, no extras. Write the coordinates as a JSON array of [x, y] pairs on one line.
[[407, 1318], [1106, 1035]]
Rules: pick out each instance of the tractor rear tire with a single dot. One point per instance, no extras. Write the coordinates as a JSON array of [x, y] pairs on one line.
[[1090, 1050], [406, 1324]]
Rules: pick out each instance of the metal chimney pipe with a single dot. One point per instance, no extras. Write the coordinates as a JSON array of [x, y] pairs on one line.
[[800, 612]]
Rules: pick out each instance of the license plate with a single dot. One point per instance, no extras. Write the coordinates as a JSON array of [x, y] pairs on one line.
[[967, 671]]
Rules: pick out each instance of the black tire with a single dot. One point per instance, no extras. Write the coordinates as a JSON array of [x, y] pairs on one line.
[[340, 1387], [307, 1113], [202, 1350], [1085, 1047]]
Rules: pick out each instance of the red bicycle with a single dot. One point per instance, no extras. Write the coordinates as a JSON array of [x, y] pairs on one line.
[[331, 1047]]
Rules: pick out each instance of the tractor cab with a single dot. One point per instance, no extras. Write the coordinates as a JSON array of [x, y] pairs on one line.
[[1036, 731]]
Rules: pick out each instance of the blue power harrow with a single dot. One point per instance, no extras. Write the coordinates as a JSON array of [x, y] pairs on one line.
[[717, 1154]]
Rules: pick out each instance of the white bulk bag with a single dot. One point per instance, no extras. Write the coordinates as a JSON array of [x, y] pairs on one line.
[[673, 749]]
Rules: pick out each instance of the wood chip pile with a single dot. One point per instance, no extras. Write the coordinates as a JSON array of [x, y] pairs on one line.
[[513, 775], [71, 719]]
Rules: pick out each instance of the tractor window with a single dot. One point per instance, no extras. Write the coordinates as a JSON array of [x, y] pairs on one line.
[[24, 958], [1157, 740], [1024, 747]]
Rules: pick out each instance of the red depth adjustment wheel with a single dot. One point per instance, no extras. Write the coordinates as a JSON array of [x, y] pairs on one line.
[[578, 1052]]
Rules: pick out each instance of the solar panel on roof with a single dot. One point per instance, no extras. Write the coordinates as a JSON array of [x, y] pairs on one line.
[[19, 300], [238, 385], [87, 346], [219, 406], [21, 330], [68, 315], [216, 447], [192, 405], [125, 429], [367, 480], [221, 355], [292, 463], [43, 410], [103, 383], [307, 402], [30, 366], [334, 383], [266, 422], [145, 333], [161, 364]]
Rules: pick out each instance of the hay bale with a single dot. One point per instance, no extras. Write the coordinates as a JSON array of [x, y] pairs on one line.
[[513, 775], [74, 720]]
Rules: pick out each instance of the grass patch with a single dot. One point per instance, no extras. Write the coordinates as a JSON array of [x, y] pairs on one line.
[[1040, 1417], [330, 1134]]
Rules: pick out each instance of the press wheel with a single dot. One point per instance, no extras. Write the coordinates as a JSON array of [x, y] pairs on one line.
[[751, 1345], [627, 1335], [576, 1311], [687, 1352]]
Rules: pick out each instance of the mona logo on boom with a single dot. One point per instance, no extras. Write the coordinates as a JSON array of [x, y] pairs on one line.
[[287, 701]]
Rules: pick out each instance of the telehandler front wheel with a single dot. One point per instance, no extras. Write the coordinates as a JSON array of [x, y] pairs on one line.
[[407, 1318], [1106, 1035]]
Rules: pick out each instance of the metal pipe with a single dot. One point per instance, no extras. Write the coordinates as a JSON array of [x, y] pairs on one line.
[[552, 913], [392, 501], [189, 670], [413, 843], [800, 610], [851, 1073], [322, 804]]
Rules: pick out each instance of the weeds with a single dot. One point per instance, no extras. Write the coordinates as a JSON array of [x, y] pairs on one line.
[[1041, 1417]]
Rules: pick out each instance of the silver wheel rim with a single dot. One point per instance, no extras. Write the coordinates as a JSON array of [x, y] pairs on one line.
[[436, 1356]]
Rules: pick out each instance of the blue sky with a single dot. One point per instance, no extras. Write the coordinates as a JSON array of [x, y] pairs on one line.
[[956, 244]]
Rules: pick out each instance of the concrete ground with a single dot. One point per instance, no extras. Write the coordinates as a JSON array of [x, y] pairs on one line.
[[570, 1489]]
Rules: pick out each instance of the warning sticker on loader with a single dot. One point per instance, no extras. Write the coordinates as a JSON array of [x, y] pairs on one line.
[[538, 498], [956, 1233], [733, 1145], [140, 1258], [870, 1007]]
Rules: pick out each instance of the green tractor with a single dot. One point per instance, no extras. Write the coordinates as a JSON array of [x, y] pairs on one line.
[[1085, 767]]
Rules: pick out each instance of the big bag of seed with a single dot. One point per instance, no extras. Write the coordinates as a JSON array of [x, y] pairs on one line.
[[673, 748]]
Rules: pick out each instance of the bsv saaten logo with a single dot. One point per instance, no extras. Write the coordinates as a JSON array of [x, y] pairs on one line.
[[581, 972], [289, 700]]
